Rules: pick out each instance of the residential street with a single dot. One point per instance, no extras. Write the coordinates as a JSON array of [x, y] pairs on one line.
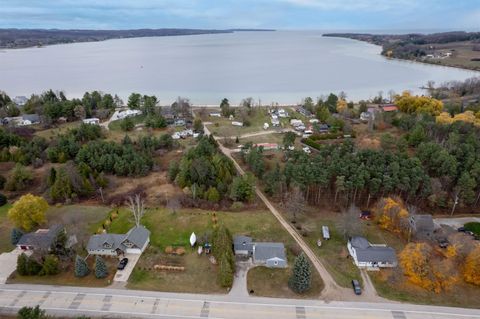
[[75, 301]]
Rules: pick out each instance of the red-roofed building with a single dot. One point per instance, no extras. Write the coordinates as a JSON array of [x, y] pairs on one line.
[[389, 108]]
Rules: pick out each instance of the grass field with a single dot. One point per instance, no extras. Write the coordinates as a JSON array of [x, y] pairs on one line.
[[223, 126], [57, 130], [267, 282], [174, 229]]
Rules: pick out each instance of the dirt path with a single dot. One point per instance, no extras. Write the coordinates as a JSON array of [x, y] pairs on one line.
[[331, 291]]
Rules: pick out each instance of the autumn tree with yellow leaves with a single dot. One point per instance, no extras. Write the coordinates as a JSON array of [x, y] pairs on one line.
[[392, 215], [28, 212], [467, 117], [408, 103], [415, 262], [341, 105], [471, 271]]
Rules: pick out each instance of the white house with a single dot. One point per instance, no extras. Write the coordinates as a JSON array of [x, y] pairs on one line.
[[128, 113], [366, 255], [135, 241], [93, 121]]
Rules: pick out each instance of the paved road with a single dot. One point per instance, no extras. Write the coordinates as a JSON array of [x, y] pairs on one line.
[[332, 291], [75, 301]]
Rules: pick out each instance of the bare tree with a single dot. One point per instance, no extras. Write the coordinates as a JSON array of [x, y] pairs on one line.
[[173, 204], [350, 223], [295, 203], [137, 207]]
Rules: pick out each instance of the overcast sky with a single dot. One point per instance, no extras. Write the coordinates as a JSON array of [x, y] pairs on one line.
[[278, 14]]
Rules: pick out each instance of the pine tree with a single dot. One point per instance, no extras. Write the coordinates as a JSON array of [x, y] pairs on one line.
[[81, 267], [101, 270], [225, 275], [301, 278], [15, 236], [22, 262], [50, 266]]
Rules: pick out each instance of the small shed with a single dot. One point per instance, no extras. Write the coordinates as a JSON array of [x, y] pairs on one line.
[[325, 232]]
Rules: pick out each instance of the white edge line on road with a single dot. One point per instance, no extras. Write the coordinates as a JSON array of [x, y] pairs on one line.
[[115, 312], [253, 303]]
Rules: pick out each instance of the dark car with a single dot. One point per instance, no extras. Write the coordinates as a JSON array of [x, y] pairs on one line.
[[443, 243], [462, 229], [122, 264], [356, 287]]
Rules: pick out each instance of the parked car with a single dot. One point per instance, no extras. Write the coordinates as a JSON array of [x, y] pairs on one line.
[[461, 229], [122, 264], [356, 287], [307, 150], [443, 243]]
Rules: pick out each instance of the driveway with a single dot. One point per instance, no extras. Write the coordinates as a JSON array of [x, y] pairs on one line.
[[239, 287], [123, 275], [8, 263], [456, 222]]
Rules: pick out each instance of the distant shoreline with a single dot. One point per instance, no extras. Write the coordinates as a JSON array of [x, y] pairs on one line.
[[28, 38], [448, 49]]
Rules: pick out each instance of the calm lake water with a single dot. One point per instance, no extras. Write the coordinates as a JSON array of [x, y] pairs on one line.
[[277, 66]]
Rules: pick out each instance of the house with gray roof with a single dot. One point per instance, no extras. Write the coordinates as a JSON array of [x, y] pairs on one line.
[[267, 254], [42, 239], [243, 245], [422, 226], [135, 241], [366, 255]]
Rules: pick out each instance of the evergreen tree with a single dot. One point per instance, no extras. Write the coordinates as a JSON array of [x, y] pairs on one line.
[[50, 266], [32, 313], [300, 280], [101, 270], [15, 236], [22, 261], [81, 267], [225, 277]]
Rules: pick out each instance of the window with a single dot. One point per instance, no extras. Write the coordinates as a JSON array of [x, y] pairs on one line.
[[275, 262]]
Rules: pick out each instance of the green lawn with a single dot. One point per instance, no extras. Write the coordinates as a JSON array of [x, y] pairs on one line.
[[333, 252], [174, 229], [116, 125], [268, 282], [51, 133], [223, 126], [5, 229]]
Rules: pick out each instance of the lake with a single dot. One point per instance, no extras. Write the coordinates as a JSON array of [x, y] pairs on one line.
[[281, 66]]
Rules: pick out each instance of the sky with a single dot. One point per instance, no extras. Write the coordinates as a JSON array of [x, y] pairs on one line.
[[352, 15]]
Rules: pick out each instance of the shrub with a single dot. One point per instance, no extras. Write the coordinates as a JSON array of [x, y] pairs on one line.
[[50, 266], [127, 124], [19, 179], [2, 181], [27, 266], [474, 227], [237, 206], [3, 200], [101, 270], [81, 267], [15, 236], [31, 313], [301, 278], [212, 195]]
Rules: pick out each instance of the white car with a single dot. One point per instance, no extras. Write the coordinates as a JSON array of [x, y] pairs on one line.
[[291, 148], [176, 136], [307, 150]]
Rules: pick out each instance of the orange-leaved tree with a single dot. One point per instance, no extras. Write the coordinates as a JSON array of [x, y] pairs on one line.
[[392, 215], [471, 271], [415, 262]]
